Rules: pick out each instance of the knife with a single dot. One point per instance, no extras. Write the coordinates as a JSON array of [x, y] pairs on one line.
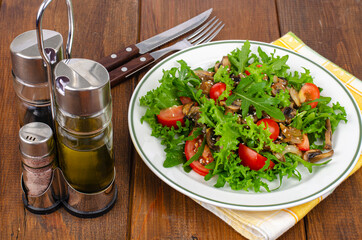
[[203, 35], [116, 59]]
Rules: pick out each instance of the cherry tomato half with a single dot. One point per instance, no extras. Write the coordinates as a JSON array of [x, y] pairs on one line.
[[252, 159], [247, 72], [272, 125], [304, 145], [185, 100], [170, 116], [216, 90], [309, 92], [191, 148]]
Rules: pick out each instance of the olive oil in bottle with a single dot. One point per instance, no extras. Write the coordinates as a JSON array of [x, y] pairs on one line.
[[87, 162], [83, 124]]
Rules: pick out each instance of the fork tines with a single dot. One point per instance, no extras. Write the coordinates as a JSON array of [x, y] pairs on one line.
[[204, 34]]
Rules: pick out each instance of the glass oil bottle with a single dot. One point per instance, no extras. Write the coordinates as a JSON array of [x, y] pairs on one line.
[[84, 131], [83, 124]]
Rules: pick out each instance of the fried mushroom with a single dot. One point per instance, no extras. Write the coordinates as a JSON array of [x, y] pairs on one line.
[[204, 75], [191, 111], [314, 155], [328, 135], [211, 139], [290, 134]]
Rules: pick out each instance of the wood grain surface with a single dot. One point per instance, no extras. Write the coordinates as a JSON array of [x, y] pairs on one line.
[[147, 208]]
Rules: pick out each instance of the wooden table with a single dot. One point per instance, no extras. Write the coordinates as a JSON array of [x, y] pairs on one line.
[[147, 208]]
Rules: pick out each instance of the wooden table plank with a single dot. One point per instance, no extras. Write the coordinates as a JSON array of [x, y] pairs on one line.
[[100, 27], [333, 29], [158, 211]]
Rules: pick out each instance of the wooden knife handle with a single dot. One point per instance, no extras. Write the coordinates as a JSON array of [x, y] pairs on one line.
[[119, 74], [116, 59]]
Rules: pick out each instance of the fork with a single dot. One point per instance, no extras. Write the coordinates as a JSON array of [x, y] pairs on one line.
[[203, 35]]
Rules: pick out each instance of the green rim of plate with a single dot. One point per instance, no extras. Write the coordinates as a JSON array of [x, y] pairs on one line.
[[300, 200]]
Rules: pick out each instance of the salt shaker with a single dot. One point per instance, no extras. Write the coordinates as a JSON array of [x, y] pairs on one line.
[[30, 75], [37, 148]]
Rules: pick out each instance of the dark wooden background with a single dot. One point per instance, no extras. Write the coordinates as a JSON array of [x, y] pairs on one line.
[[147, 208]]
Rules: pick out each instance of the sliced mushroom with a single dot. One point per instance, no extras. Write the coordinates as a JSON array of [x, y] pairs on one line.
[[328, 135], [291, 135], [217, 66], [211, 139], [225, 62], [314, 155], [278, 85], [205, 86], [295, 97], [204, 75], [233, 108], [191, 111], [289, 113]]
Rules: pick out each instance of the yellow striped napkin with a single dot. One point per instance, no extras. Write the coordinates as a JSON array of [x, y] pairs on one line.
[[272, 224]]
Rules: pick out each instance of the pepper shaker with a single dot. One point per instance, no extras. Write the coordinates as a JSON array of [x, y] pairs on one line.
[[30, 75], [37, 148]]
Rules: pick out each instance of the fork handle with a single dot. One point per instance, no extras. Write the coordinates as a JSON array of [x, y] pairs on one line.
[[119, 74], [114, 60]]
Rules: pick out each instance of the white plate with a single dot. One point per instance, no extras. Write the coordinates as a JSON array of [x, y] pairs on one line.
[[346, 140]]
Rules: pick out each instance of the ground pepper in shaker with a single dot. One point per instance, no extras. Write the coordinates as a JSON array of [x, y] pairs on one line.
[[30, 75], [38, 157], [37, 148], [83, 124]]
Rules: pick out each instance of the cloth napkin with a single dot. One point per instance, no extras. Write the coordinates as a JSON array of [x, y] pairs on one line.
[[272, 224]]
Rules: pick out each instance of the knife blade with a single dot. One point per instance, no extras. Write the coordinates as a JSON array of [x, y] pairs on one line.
[[114, 60]]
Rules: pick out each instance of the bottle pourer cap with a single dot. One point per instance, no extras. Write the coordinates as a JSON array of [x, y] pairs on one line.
[[27, 64], [82, 87]]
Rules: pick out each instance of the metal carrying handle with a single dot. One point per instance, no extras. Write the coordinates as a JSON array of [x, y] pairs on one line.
[[39, 30], [68, 49]]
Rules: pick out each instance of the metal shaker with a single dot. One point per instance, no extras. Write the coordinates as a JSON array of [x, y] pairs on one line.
[[83, 119], [37, 147], [30, 75]]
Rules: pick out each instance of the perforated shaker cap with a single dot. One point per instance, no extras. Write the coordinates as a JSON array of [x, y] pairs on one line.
[[36, 139], [27, 64], [82, 86]]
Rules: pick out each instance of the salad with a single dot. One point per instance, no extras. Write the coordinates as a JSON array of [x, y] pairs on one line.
[[246, 120]]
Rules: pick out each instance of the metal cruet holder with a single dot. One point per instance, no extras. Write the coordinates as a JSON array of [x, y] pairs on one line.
[[80, 91]]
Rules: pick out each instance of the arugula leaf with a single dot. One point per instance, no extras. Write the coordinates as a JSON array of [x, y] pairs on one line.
[[279, 63], [186, 83], [239, 58], [250, 94], [264, 57]]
